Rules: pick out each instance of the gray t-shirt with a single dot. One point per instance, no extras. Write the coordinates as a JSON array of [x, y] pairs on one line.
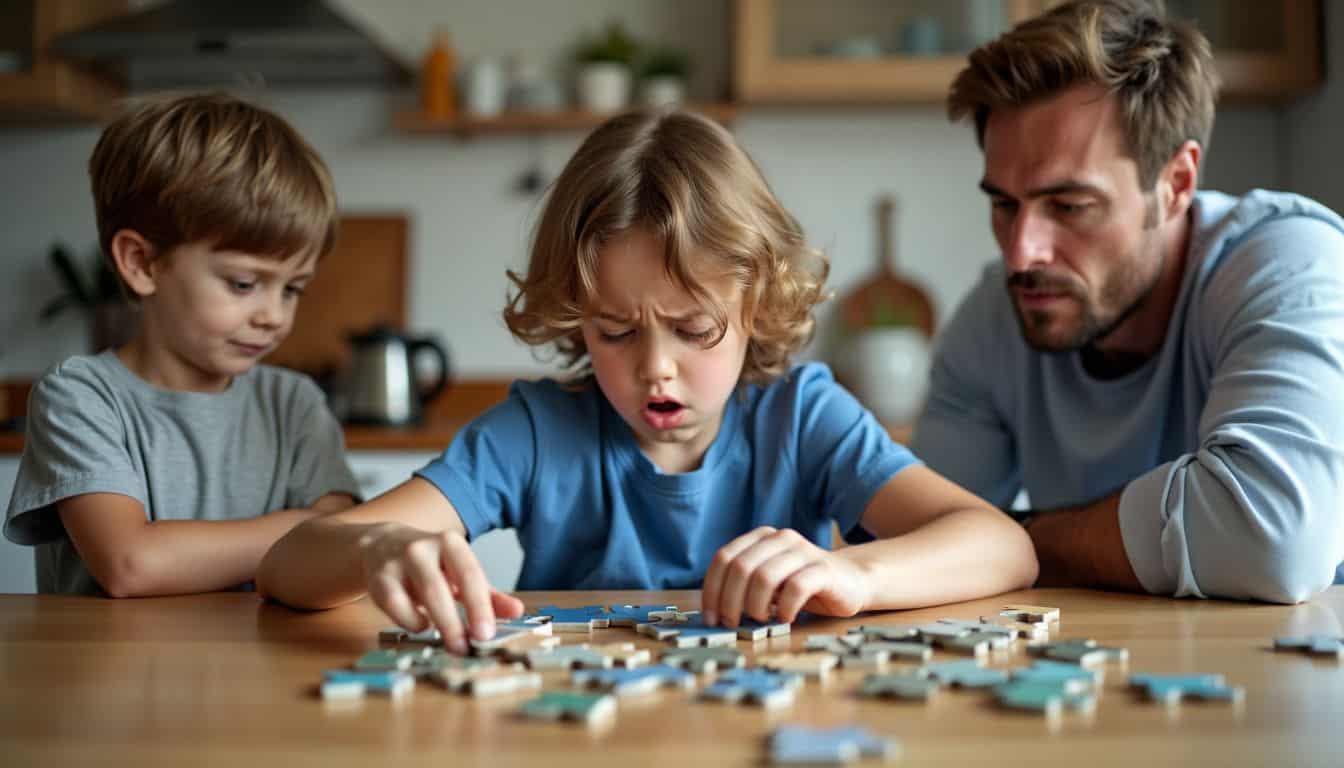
[[266, 443]]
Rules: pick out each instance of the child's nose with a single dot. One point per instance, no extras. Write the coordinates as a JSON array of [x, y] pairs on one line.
[[270, 313], [656, 362]]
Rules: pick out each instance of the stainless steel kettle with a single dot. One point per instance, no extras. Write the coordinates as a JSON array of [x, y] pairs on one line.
[[380, 385]]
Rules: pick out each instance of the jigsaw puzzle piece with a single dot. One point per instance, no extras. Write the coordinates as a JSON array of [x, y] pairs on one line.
[[963, 674], [1030, 614], [629, 682], [701, 660], [1085, 652], [634, 615], [574, 620], [754, 686], [812, 665], [588, 708], [344, 684], [1042, 696], [1171, 689], [1071, 678], [1316, 645], [800, 744], [901, 685]]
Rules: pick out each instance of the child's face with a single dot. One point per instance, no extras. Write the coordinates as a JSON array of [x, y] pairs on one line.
[[214, 314], [646, 336]]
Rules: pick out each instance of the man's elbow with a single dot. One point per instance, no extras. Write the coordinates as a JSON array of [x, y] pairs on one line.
[[1278, 580]]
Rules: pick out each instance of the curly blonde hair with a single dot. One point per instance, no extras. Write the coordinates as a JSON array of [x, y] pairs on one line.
[[684, 179], [1161, 70]]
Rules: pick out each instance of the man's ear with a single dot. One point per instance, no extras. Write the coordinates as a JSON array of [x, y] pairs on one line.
[[1180, 180], [136, 261]]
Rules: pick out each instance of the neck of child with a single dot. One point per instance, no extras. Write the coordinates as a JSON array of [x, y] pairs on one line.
[[678, 457], [158, 366]]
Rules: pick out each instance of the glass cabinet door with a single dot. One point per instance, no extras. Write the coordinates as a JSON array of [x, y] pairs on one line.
[[861, 50], [1265, 49]]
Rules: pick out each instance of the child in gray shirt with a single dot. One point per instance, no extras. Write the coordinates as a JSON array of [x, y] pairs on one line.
[[171, 464]]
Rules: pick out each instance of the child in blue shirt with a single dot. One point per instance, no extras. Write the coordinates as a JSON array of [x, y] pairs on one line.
[[685, 451]]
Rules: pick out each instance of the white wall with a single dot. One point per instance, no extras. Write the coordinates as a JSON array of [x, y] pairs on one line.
[[1313, 153], [828, 165]]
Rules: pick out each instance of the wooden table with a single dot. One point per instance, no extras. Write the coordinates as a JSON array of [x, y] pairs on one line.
[[227, 680]]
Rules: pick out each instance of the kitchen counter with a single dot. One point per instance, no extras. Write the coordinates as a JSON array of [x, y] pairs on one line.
[[464, 401]]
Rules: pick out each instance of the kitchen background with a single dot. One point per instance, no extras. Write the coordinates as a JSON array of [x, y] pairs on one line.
[[469, 221]]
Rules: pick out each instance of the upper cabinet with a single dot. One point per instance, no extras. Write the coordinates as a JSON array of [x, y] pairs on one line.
[[894, 51], [39, 87]]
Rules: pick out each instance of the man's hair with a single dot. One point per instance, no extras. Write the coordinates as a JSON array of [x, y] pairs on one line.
[[1160, 70], [211, 168], [685, 180]]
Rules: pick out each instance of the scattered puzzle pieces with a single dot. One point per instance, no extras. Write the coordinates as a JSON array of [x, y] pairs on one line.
[[689, 633], [634, 615], [1044, 697], [754, 686], [628, 682], [344, 684], [387, 660], [814, 665], [893, 633], [487, 681], [588, 708], [963, 674], [1315, 645], [1085, 652], [1171, 689], [902, 685], [1030, 614], [569, 657], [574, 620], [703, 660], [1071, 678], [793, 744], [754, 630]]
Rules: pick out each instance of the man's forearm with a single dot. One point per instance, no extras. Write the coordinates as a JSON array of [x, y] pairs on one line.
[[1083, 547]]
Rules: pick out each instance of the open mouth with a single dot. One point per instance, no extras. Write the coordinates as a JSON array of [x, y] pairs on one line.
[[664, 413]]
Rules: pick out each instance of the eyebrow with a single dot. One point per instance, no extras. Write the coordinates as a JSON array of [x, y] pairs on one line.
[[674, 318], [1066, 187], [264, 266]]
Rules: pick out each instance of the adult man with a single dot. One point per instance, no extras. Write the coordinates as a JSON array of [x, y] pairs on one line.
[[1172, 403]]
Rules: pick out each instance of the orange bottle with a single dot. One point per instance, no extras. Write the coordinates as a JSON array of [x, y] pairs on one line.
[[438, 91]]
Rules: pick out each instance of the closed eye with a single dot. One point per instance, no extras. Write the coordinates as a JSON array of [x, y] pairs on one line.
[[241, 286], [612, 338]]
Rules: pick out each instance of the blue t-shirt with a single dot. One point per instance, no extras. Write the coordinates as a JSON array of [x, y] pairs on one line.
[[593, 512]]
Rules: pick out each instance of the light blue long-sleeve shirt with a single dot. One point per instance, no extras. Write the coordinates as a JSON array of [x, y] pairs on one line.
[[1227, 447]]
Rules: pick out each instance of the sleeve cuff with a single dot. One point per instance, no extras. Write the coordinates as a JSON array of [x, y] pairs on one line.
[[454, 487], [1142, 520]]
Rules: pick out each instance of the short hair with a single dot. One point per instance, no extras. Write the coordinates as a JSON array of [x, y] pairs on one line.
[[683, 178], [211, 168], [1160, 70]]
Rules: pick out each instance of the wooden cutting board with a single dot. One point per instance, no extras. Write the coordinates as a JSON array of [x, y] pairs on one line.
[[361, 283], [886, 298]]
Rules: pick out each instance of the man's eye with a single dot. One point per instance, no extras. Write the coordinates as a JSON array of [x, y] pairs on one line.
[[1002, 204], [1069, 209]]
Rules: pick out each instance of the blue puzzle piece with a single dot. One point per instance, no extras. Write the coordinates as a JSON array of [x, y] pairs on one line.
[[1170, 689], [793, 744], [964, 674], [347, 684], [627, 682], [1070, 678], [756, 686], [690, 633], [584, 619], [631, 615], [1042, 696], [1317, 645]]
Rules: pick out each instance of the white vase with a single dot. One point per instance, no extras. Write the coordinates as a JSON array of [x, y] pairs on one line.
[[889, 371], [604, 87], [663, 91]]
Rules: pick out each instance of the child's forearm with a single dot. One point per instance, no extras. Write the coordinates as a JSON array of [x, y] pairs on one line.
[[173, 557], [963, 555], [316, 565]]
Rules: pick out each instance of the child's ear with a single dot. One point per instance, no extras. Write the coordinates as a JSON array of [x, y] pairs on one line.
[[134, 258]]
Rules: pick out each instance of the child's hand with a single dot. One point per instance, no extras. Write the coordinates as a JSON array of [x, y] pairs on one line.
[[770, 567], [417, 577]]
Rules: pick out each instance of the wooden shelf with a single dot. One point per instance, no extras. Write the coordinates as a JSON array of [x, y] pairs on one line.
[[532, 122], [53, 90]]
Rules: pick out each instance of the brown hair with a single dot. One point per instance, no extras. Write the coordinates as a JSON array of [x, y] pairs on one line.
[[212, 168], [1161, 71], [683, 178]]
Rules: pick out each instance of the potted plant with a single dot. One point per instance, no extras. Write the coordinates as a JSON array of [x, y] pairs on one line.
[[605, 70], [662, 77]]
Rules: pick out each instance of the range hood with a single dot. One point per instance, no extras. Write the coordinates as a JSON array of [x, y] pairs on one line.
[[235, 42]]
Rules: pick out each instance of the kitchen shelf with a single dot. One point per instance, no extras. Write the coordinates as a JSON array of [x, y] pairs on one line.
[[46, 89], [533, 122]]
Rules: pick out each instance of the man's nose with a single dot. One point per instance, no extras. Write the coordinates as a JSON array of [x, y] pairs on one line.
[[1030, 242]]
